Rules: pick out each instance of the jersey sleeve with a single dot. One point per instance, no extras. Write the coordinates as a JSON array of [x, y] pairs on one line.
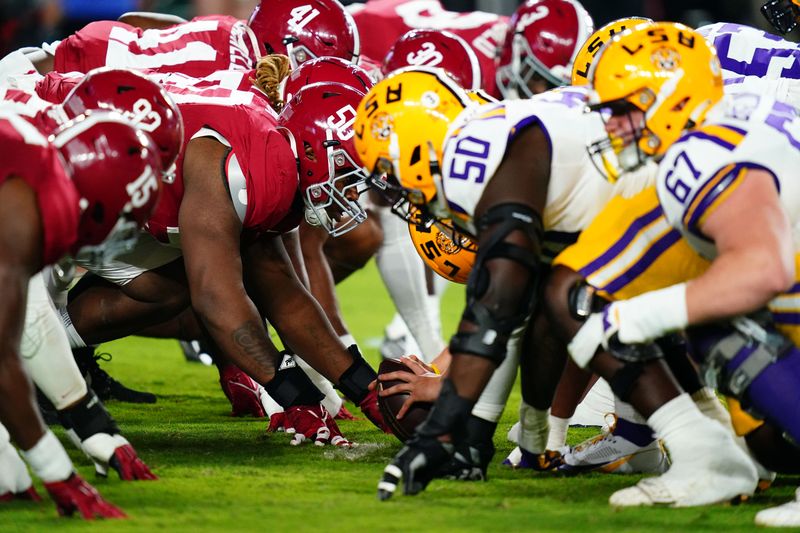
[[698, 173], [473, 150]]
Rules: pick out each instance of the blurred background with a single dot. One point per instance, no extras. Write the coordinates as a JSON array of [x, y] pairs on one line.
[[31, 22]]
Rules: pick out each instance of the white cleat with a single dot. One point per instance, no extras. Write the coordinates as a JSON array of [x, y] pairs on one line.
[[786, 515], [711, 469], [613, 453]]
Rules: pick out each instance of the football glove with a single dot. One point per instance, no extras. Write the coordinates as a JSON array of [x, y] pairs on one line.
[[313, 423], [113, 451], [416, 464], [369, 406], [241, 391], [74, 494]]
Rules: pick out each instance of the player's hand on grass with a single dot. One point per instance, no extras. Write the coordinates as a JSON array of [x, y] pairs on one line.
[[415, 465], [313, 423], [129, 466], [75, 494], [114, 451]]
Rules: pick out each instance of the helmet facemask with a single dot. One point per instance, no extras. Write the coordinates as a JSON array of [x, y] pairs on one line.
[[121, 240], [782, 14], [345, 178], [297, 54], [618, 153]]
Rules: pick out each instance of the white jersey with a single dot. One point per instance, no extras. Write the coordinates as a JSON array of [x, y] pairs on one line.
[[476, 145], [754, 61], [744, 131]]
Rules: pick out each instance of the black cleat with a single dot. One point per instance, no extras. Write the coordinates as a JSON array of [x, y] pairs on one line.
[[106, 387]]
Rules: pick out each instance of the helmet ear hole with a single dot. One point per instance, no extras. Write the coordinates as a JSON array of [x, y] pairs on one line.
[[98, 213], [309, 151], [416, 155]]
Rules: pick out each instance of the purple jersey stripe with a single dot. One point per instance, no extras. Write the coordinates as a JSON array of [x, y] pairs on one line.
[[649, 257], [617, 248], [786, 318]]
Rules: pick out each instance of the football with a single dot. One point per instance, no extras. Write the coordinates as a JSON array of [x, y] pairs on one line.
[[403, 428]]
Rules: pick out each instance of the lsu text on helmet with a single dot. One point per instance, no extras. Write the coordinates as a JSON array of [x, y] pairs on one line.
[[399, 135], [442, 247], [320, 120], [115, 168], [142, 101], [435, 48], [542, 41], [662, 78], [589, 49], [305, 29]]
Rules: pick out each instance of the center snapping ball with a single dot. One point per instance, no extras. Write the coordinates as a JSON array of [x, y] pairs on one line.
[[403, 428]]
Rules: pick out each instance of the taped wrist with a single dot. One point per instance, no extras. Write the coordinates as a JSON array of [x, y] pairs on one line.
[[449, 415], [494, 321], [291, 386], [88, 417], [354, 382]]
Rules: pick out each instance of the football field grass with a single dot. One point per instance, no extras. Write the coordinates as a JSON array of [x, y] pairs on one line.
[[221, 473]]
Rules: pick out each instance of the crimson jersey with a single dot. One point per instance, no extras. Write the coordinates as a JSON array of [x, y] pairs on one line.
[[36, 110], [195, 48], [381, 22], [261, 168], [28, 155]]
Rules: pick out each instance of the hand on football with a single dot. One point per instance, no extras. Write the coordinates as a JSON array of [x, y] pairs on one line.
[[421, 387]]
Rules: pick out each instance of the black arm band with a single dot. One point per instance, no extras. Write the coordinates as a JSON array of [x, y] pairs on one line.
[[291, 386], [88, 417], [354, 382]]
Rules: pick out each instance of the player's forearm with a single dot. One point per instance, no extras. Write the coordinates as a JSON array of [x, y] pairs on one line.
[[302, 325], [738, 282], [238, 330]]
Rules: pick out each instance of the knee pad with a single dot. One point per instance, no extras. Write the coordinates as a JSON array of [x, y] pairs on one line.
[[756, 365], [495, 320]]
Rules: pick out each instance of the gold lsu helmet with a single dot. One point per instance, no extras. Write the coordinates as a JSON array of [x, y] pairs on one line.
[[442, 247], [399, 130], [589, 49], [665, 70]]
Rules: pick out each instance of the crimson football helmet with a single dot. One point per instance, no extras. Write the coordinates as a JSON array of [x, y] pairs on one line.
[[543, 39], [305, 29], [320, 119], [435, 48], [326, 69], [115, 168], [140, 100]]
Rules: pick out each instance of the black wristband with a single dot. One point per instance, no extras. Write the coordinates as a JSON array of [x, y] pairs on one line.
[[354, 382], [291, 386], [88, 417]]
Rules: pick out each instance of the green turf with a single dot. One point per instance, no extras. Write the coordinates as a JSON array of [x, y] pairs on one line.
[[221, 473]]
